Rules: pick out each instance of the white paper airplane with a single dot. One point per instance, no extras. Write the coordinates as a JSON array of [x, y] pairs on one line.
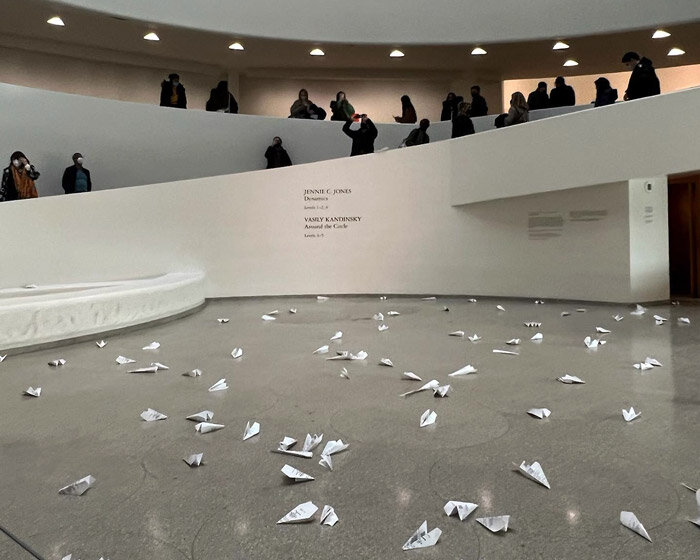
[[441, 391], [534, 472], [56, 363], [382, 298], [660, 320], [295, 474], [630, 414], [500, 308], [121, 360], [151, 415], [328, 516], [194, 460], [285, 445], [457, 333], [393, 313], [220, 385], [564, 314], [30, 286], [334, 446], [474, 337], [462, 509], [643, 366], [322, 298], [275, 312], [292, 310], [629, 520], [346, 355], [422, 538], [602, 330], [639, 311], [618, 317], [382, 327], [32, 392], [653, 362], [427, 418], [507, 352], [445, 308], [237, 353], [513, 342], [79, 487], [312, 441], [472, 300], [378, 316], [223, 320], [149, 369], [193, 373], [532, 324], [321, 350], [593, 343], [431, 298], [581, 310], [539, 302], [344, 373], [539, 412], [159, 365], [204, 416], [2, 358], [537, 337], [287, 442], [206, 427], [684, 320], [432, 384], [268, 318], [570, 379], [101, 343], [410, 375], [251, 430], [326, 462], [696, 520], [303, 513], [386, 362], [152, 346], [337, 336], [495, 524]]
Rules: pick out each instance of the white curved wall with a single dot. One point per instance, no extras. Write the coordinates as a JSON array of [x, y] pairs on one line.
[[404, 21]]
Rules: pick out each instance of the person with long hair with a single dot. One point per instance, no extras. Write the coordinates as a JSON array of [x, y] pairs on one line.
[[462, 124], [221, 99], [518, 113], [303, 108], [276, 155], [450, 106], [408, 111], [605, 94], [341, 109], [18, 179]]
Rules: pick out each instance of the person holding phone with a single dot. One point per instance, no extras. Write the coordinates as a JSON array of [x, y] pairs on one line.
[[18, 179]]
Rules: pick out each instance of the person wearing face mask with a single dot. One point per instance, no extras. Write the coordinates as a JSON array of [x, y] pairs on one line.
[[276, 155], [18, 179], [172, 93], [76, 178], [303, 108]]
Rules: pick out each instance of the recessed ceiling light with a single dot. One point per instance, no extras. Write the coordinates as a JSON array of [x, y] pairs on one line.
[[151, 37], [236, 46], [55, 20], [478, 51], [675, 51], [396, 53], [660, 34], [571, 62], [317, 52], [560, 46]]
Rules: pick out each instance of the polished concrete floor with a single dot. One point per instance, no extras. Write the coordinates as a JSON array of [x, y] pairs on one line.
[[148, 504]]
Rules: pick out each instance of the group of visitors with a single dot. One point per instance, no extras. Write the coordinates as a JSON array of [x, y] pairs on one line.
[[173, 94], [19, 178]]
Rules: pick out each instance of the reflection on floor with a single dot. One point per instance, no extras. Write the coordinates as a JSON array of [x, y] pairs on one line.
[[146, 503]]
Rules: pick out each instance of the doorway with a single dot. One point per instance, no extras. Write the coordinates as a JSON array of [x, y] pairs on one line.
[[684, 234]]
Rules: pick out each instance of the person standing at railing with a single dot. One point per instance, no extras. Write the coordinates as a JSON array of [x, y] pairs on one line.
[[643, 82], [76, 178], [341, 109], [538, 99], [172, 93], [479, 107], [362, 139], [605, 94], [518, 113], [276, 155], [462, 124], [408, 111], [450, 106], [221, 99], [18, 179], [562, 95]]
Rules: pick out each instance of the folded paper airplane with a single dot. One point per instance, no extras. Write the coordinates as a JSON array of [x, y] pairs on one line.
[[643, 366], [462, 509], [393, 313], [152, 346], [275, 312], [345, 355], [251, 430], [507, 352], [565, 314], [532, 324], [287, 442], [570, 379], [382, 298], [382, 327], [206, 427], [56, 363], [328, 516], [474, 337], [322, 350], [237, 353], [513, 342], [344, 373], [220, 385], [629, 520], [500, 308], [602, 330], [427, 418], [193, 373], [121, 360], [446, 309], [441, 391], [292, 310], [630, 414], [410, 375], [334, 446], [581, 310], [495, 524], [311, 442], [472, 300], [194, 460], [593, 343], [159, 365], [618, 317], [639, 310], [30, 286], [303, 513], [386, 362], [268, 318], [79, 487], [537, 337], [295, 474], [457, 333], [430, 385], [32, 392], [151, 415], [322, 298], [653, 362], [431, 298], [378, 316], [684, 320], [223, 320], [534, 472], [204, 416], [422, 538], [660, 320], [539, 412], [2, 358], [337, 336], [149, 369], [326, 462], [539, 302]]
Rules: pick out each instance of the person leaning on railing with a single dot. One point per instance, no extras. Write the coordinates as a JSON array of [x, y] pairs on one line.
[[18, 179]]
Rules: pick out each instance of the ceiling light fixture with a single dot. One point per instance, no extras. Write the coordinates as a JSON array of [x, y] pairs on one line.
[[396, 53], [55, 20], [151, 37], [236, 46], [660, 34], [477, 51], [560, 46], [675, 51], [317, 52], [571, 62]]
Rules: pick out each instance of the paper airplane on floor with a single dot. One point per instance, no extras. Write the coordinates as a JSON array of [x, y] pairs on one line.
[[268, 318], [643, 366], [121, 360], [446, 308], [152, 346], [427, 418], [311, 442], [539, 412], [513, 342], [684, 320], [534, 472], [79, 487], [151, 415], [382, 327], [432, 384], [696, 520], [30, 286], [472, 300], [532, 324], [410, 375], [295, 474], [204, 416], [495, 524], [303, 513], [630, 414], [326, 462], [32, 392], [602, 330], [639, 310], [322, 298], [378, 316], [292, 310], [618, 317], [194, 460], [251, 430], [581, 310], [193, 373], [382, 298], [328, 516], [462, 509], [159, 365], [660, 320], [564, 314], [500, 308], [237, 353], [322, 350], [337, 336], [537, 337], [539, 302], [344, 373], [56, 363], [149, 369], [220, 385], [275, 312], [653, 362], [474, 337], [287, 442], [223, 320], [206, 427], [570, 379], [285, 445], [393, 313], [386, 362], [593, 343], [334, 446], [441, 391], [629, 520], [431, 298], [422, 538], [507, 352], [457, 333], [2, 358]]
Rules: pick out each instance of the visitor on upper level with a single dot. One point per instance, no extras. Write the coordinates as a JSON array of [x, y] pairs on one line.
[[604, 92], [462, 124], [76, 178], [517, 114], [479, 107], [418, 135], [538, 99], [172, 93], [643, 81], [408, 111], [450, 106], [303, 108], [18, 179], [276, 155], [221, 99], [362, 138], [562, 95], [341, 110]]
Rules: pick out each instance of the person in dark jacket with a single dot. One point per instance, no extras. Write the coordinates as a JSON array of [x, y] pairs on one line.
[[18, 179], [450, 106], [76, 178], [462, 124], [643, 81], [341, 109], [363, 138], [605, 94], [418, 135], [562, 95], [221, 99], [538, 99], [303, 108], [479, 107], [276, 155], [408, 111], [172, 93]]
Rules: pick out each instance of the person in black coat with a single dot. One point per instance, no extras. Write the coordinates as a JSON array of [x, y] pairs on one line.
[[449, 106], [462, 125], [363, 138], [479, 107], [172, 93], [562, 95], [221, 99], [643, 82], [538, 99], [605, 94], [276, 155], [76, 178]]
